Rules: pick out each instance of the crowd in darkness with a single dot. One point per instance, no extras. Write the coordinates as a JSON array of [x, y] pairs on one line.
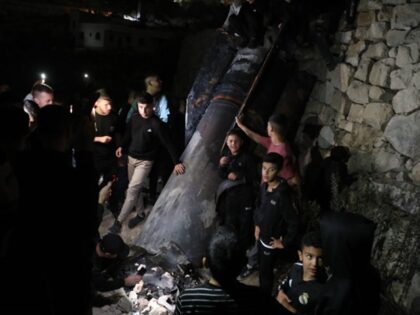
[[61, 167]]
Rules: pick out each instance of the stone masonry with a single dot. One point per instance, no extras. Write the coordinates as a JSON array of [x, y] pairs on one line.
[[371, 104]]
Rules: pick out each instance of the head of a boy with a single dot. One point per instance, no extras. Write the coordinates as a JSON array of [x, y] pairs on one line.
[[310, 255], [277, 125], [145, 105], [234, 141], [272, 164]]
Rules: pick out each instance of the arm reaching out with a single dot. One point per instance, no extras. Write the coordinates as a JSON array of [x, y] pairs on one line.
[[253, 135]]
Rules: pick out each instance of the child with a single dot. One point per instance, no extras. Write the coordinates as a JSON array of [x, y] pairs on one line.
[[300, 292], [276, 142], [238, 170], [276, 222]]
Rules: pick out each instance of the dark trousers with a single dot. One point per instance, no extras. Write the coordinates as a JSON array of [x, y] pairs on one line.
[[267, 259], [237, 210], [107, 171], [162, 168]]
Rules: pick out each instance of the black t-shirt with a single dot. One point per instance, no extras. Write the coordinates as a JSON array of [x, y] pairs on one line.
[[106, 126]]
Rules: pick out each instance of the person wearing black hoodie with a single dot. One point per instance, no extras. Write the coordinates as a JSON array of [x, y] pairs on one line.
[[276, 221], [354, 285]]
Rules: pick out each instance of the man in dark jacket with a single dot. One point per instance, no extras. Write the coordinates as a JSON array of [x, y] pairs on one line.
[[143, 136], [276, 222]]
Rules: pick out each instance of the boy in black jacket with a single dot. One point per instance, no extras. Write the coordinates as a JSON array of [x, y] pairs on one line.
[[301, 291], [236, 192], [276, 222]]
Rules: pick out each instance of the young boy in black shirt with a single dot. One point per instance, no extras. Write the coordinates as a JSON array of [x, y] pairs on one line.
[[237, 195], [300, 292], [276, 221]]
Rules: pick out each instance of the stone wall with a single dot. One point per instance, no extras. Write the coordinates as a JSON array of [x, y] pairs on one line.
[[371, 104]]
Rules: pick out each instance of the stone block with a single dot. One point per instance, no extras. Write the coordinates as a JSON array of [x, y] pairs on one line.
[[313, 106], [340, 103], [394, 2], [400, 79], [403, 132], [327, 115], [345, 125], [369, 5], [385, 14], [377, 94], [376, 51], [385, 161], [393, 52], [356, 113], [340, 76], [344, 37], [360, 162], [326, 138], [408, 54], [323, 92], [358, 92], [353, 52], [395, 38], [365, 18], [377, 31], [363, 69], [379, 75], [416, 80], [415, 174], [412, 36], [377, 115], [405, 16], [365, 137], [406, 100]]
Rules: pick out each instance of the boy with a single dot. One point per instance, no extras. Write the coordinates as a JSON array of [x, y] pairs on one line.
[[238, 170], [276, 222], [300, 292], [276, 142]]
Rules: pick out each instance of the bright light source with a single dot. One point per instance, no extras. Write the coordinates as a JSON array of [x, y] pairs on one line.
[[43, 77], [86, 75]]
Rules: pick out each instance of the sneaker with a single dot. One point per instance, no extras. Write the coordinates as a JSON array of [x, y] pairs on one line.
[[136, 220], [247, 271], [116, 227]]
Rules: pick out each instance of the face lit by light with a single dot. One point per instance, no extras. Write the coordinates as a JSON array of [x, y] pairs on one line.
[[156, 83], [103, 106], [145, 110], [234, 144], [311, 258], [43, 99], [269, 172]]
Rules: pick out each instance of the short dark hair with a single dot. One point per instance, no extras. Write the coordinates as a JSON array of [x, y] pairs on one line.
[[41, 87], [274, 158], [145, 98], [225, 258], [236, 132], [313, 239], [279, 123]]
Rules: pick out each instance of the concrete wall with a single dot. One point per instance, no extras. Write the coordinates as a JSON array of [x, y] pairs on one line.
[[371, 104]]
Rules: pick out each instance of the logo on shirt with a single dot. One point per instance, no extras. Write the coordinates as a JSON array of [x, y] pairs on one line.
[[273, 202], [304, 298]]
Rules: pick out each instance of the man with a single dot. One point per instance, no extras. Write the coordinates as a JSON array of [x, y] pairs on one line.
[[223, 294], [109, 252], [42, 95], [153, 85], [143, 136]]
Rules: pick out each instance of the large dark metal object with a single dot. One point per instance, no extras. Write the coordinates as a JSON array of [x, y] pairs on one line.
[[185, 211], [215, 64]]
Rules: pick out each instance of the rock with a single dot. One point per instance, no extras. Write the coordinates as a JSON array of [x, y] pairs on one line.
[[394, 2], [365, 18], [412, 37], [409, 165], [356, 113], [358, 92], [378, 94], [406, 100], [405, 16], [377, 114], [413, 296], [313, 106], [361, 33], [377, 31], [339, 103], [360, 162], [376, 51], [344, 37], [395, 38], [403, 132], [340, 76], [353, 53], [365, 137], [363, 69], [385, 161], [345, 125], [369, 5], [415, 174], [379, 74], [385, 14], [408, 54], [326, 138], [393, 52], [323, 92], [327, 115], [400, 79], [416, 80]]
